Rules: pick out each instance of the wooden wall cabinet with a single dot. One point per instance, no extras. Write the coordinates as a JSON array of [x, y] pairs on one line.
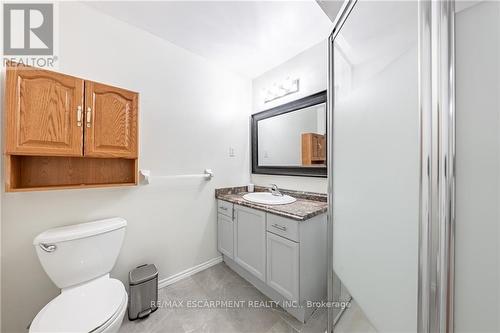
[[41, 113], [66, 132], [111, 121], [313, 149]]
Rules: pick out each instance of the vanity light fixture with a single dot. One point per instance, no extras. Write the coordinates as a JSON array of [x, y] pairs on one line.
[[288, 87]]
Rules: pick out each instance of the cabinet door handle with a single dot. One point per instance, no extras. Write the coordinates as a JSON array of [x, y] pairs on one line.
[[88, 117], [280, 227], [223, 208], [79, 115]]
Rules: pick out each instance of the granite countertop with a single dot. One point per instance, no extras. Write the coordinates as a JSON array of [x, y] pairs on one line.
[[308, 204]]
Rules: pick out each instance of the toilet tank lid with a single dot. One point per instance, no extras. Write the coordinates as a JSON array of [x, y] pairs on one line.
[[77, 231]]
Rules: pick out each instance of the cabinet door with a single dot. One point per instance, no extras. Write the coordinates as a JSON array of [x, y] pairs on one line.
[[225, 235], [250, 240], [283, 266], [321, 147], [314, 148], [42, 110], [110, 121]]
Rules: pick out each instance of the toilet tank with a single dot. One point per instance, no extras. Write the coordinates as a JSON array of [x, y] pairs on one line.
[[78, 253]]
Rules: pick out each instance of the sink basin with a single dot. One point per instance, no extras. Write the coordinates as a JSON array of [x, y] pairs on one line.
[[267, 198]]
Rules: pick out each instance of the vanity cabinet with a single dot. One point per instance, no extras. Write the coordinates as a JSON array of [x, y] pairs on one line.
[[284, 258], [283, 266], [283, 226], [250, 240], [66, 132], [225, 228]]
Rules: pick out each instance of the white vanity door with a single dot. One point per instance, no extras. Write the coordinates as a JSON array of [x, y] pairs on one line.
[[283, 266], [225, 235], [250, 240]]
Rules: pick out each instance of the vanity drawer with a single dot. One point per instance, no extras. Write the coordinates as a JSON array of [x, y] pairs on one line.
[[225, 208], [282, 226]]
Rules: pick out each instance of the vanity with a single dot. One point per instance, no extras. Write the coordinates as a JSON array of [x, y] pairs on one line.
[[280, 248], [277, 239]]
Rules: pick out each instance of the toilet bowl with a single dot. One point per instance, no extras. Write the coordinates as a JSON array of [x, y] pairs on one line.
[[78, 259]]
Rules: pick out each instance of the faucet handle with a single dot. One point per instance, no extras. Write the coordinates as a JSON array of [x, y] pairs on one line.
[[275, 190]]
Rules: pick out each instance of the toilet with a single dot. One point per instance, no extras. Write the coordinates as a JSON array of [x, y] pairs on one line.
[[78, 259]]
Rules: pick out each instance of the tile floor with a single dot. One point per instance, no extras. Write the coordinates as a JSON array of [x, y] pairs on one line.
[[353, 320], [221, 283]]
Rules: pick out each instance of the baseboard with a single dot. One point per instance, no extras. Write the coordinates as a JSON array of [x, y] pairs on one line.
[[188, 272]]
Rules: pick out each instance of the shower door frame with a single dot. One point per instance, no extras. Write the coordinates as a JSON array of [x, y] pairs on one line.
[[436, 72]]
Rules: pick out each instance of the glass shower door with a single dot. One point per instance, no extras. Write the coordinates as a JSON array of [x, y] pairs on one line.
[[477, 65], [375, 162], [415, 163]]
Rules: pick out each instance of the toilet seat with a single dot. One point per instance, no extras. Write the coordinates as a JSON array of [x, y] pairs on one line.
[[114, 323], [89, 307]]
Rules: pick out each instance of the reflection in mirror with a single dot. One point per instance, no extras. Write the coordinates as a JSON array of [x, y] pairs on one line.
[[291, 138]]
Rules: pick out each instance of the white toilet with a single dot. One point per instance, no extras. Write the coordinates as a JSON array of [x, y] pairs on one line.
[[78, 259]]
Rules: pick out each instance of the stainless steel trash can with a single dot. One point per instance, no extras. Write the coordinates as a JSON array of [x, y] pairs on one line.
[[143, 291]]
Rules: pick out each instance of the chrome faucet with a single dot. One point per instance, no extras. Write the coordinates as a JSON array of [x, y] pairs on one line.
[[275, 191]]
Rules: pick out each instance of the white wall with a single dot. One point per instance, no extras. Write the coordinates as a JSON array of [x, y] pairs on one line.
[[477, 276], [190, 113], [375, 163], [310, 67]]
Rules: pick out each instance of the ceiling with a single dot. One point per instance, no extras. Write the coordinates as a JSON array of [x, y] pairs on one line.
[[248, 37], [331, 7]]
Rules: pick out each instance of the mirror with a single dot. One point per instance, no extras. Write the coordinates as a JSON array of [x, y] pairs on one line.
[[291, 139]]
